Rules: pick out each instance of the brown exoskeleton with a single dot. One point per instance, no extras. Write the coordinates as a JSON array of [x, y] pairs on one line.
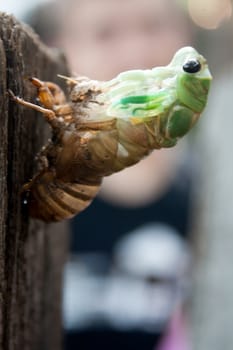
[[64, 186], [107, 126]]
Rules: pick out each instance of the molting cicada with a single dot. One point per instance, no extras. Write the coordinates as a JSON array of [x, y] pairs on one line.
[[106, 126]]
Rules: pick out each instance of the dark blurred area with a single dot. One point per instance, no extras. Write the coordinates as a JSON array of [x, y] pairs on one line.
[[172, 208]]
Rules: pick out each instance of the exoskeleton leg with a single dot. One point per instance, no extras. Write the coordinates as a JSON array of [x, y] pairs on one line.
[[49, 94], [48, 113], [52, 100]]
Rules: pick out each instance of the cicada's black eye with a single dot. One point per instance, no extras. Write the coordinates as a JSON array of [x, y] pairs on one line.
[[192, 66]]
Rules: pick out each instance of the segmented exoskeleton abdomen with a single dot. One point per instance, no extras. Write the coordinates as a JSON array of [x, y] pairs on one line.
[[51, 199]]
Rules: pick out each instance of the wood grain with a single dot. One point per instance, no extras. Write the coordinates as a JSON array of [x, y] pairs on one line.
[[32, 254]]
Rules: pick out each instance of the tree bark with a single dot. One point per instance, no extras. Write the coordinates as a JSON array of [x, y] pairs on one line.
[[32, 254]]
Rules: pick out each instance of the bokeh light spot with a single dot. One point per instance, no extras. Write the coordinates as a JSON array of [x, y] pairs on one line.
[[210, 14]]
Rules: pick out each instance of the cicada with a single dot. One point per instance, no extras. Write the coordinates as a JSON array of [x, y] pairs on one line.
[[106, 126]]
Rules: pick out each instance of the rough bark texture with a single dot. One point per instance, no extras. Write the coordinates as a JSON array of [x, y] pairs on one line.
[[32, 254]]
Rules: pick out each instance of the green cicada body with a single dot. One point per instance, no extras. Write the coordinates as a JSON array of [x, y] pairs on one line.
[[107, 126], [152, 109]]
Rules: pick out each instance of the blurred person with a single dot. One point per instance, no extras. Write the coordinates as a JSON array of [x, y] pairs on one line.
[[101, 38]]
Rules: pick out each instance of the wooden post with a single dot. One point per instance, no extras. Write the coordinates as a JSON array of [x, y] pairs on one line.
[[32, 254]]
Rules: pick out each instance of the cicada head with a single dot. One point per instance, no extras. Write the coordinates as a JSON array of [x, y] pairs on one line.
[[193, 78]]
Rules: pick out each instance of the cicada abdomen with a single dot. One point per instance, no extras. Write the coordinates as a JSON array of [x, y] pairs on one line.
[[51, 199], [107, 126]]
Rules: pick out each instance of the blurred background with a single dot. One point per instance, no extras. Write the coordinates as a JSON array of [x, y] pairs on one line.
[[150, 263]]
